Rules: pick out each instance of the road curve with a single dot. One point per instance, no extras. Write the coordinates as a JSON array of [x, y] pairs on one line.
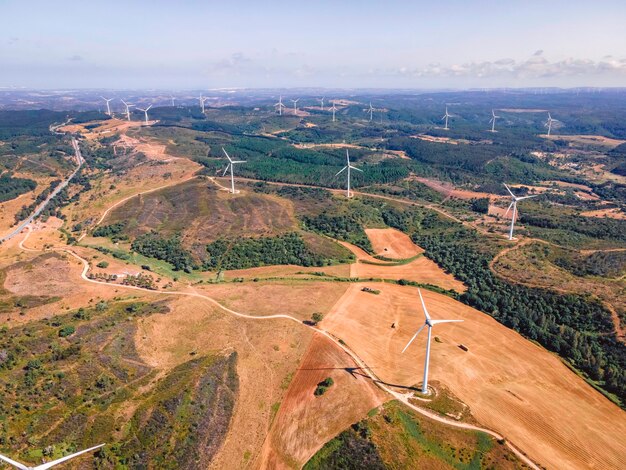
[[57, 190]]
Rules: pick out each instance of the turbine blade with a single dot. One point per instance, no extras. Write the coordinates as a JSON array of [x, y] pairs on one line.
[[528, 197], [413, 338], [434, 322], [355, 168], [238, 161], [507, 188], [227, 167], [507, 211], [226, 153], [45, 466], [341, 170], [13, 462], [423, 305]]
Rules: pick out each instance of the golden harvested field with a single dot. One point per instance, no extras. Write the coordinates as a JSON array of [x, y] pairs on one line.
[[304, 422], [581, 140], [613, 213], [448, 190], [340, 270], [392, 243], [419, 270], [296, 298], [511, 385], [269, 351]]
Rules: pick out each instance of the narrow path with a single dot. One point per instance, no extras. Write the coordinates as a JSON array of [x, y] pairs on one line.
[[52, 195], [404, 398]]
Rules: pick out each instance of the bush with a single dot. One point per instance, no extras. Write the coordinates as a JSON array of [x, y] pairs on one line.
[[67, 331], [103, 264], [323, 386], [316, 318]]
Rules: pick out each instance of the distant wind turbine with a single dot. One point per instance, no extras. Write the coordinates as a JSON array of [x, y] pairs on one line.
[[429, 323], [333, 109], [108, 107], [295, 106], [493, 120], [548, 122], [173, 99], [47, 465], [202, 100], [231, 164], [145, 112], [445, 117], [348, 167], [370, 110], [321, 100], [280, 105], [128, 106], [514, 201]]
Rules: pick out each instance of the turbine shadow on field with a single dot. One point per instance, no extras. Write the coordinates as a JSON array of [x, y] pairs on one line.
[[354, 372]]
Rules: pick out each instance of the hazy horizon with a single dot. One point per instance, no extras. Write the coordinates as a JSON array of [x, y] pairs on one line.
[[355, 45]]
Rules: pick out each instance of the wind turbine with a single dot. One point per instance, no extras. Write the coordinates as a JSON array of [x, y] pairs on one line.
[[514, 206], [370, 110], [47, 465], [429, 323], [173, 99], [280, 105], [548, 122], [231, 163], [321, 103], [333, 109], [446, 116], [348, 167], [295, 106], [493, 120], [145, 112], [128, 106], [108, 106], [202, 100]]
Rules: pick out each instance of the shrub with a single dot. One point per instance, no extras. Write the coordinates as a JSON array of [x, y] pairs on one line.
[[67, 331], [323, 386], [103, 264]]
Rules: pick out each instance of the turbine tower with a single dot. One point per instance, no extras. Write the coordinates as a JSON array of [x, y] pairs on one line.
[[108, 106], [280, 105], [429, 323], [128, 106], [445, 117], [348, 167], [295, 106], [173, 98], [321, 103], [202, 100], [370, 110], [548, 123], [513, 205], [333, 109], [231, 163], [493, 120], [145, 112], [47, 465]]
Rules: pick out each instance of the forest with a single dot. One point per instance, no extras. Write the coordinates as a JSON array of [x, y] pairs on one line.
[[11, 187]]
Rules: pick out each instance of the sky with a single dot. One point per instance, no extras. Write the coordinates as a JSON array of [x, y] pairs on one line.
[[187, 44]]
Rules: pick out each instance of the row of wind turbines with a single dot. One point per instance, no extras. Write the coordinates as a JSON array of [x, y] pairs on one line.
[[548, 123], [280, 106]]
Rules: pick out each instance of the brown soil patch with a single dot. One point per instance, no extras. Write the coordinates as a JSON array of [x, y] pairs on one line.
[[340, 270], [304, 422], [511, 385], [295, 298], [597, 140], [392, 243], [614, 213], [268, 352], [420, 270]]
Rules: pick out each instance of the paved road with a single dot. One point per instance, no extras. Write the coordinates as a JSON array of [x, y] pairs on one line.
[[42, 206]]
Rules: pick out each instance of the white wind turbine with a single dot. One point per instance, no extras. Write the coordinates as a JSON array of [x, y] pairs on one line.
[[333, 109], [231, 163], [429, 323], [108, 106], [47, 465], [145, 112], [493, 120], [128, 106], [173, 98], [348, 167], [370, 110], [202, 100], [280, 105], [295, 106], [445, 117], [321, 100], [549, 123], [513, 205]]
